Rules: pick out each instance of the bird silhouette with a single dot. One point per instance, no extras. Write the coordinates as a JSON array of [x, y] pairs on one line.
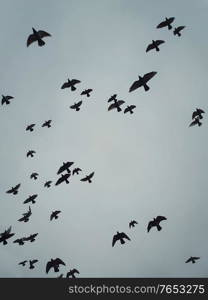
[[6, 99], [177, 30], [116, 105], [63, 178], [30, 153], [156, 222], [54, 214], [113, 98], [192, 259], [129, 109], [76, 106], [196, 122], [14, 190], [48, 184], [76, 171], [20, 241], [167, 22], [198, 113], [71, 273], [155, 45], [30, 127], [4, 236], [86, 92], [70, 84], [132, 223], [65, 167], [142, 82], [23, 263], [31, 237], [88, 177], [32, 262], [34, 176], [31, 199], [54, 263], [47, 124], [26, 216], [120, 236], [37, 36]]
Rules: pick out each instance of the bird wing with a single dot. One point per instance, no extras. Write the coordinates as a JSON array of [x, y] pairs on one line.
[[10, 191], [194, 114], [9, 97], [188, 260], [75, 271], [162, 24], [126, 110], [42, 33], [59, 261], [31, 39], [149, 226], [193, 123], [49, 265], [135, 85], [91, 175], [115, 238], [17, 186], [180, 28], [150, 47], [148, 76], [84, 179], [51, 216], [160, 218], [159, 42], [195, 257], [65, 85], [60, 180], [120, 102], [75, 81], [79, 103], [123, 235], [34, 261], [112, 106], [23, 218], [200, 111]]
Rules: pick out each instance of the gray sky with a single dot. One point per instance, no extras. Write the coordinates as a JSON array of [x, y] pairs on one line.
[[146, 164]]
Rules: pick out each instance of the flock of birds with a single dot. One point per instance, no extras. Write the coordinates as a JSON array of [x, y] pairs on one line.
[[65, 169]]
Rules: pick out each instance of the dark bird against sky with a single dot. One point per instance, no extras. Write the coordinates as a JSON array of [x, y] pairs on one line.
[[132, 223], [76, 106], [4, 236], [34, 176], [54, 214], [14, 190], [47, 124], [30, 127], [26, 216], [63, 178], [113, 98], [54, 263], [70, 84], [86, 92], [76, 171], [177, 31], [88, 177], [198, 113], [120, 236], [192, 259], [6, 99], [30, 153], [48, 183], [166, 23], [31, 199], [129, 108], [156, 223], [72, 273], [196, 122], [116, 105], [142, 82], [154, 45], [37, 36], [65, 167], [32, 262]]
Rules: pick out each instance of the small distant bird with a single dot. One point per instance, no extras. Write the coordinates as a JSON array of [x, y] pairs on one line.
[[70, 84], [177, 30], [167, 22], [23, 263], [14, 190], [116, 105], [71, 273], [54, 263], [88, 177], [30, 127], [198, 113], [86, 92], [54, 214], [31, 237], [156, 222], [37, 36], [26, 216], [154, 45], [196, 122], [63, 178], [32, 262], [47, 124], [129, 109], [6, 99], [65, 167], [48, 184], [142, 82], [192, 259], [132, 223], [31, 199], [34, 176], [113, 98], [120, 236], [30, 153], [76, 171], [4, 236], [76, 106], [20, 241]]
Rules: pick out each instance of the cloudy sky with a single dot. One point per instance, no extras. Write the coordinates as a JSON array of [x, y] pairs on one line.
[[146, 164]]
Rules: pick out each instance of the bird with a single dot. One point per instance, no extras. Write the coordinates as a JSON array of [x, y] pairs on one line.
[[6, 99], [71, 273], [63, 178], [116, 105], [54, 263], [86, 92], [31, 199], [30, 127], [120, 236], [113, 98], [167, 22], [32, 262], [154, 45], [14, 190], [198, 113], [129, 109], [76, 106], [30, 153], [48, 183], [37, 36], [65, 167], [192, 259], [156, 222], [47, 124], [26, 216], [196, 122], [132, 223], [20, 241], [54, 214], [76, 171], [177, 30], [34, 176], [23, 263], [31, 237], [4, 236], [88, 177], [142, 82], [70, 84]]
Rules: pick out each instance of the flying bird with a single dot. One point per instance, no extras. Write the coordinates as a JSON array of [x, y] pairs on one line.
[[129, 109], [167, 22], [26, 216], [120, 236], [54, 263], [132, 223], [192, 259], [116, 105], [76, 106], [76, 171], [196, 122], [31, 199], [70, 84], [54, 214], [32, 262], [113, 98], [71, 273], [88, 177], [198, 113], [30, 127], [47, 124], [37, 36], [65, 167], [156, 222], [4, 236], [63, 178], [31, 237], [34, 176], [142, 82], [30, 153], [86, 92], [155, 45], [23, 263], [6, 99], [177, 30], [20, 241], [14, 190], [48, 184]]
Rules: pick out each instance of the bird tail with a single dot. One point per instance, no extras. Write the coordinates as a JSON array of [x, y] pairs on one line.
[[157, 49], [122, 241], [89, 180], [32, 267], [200, 123], [146, 87], [159, 227], [119, 109], [33, 201], [169, 27], [5, 242], [15, 192], [73, 88], [193, 262], [56, 269], [131, 112], [56, 217], [67, 181], [41, 43], [77, 109]]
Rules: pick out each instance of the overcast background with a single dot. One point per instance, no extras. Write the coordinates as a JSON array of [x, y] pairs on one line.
[[146, 164]]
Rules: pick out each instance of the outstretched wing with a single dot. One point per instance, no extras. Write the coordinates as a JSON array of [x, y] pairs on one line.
[[196, 258], [42, 33], [200, 111], [188, 260], [150, 224], [10, 191], [34, 261], [180, 28], [150, 47], [17, 186], [112, 106], [59, 261], [124, 236], [91, 175], [115, 239], [159, 42], [148, 76], [160, 218], [75, 81], [65, 85], [75, 271], [195, 114], [84, 179], [162, 24], [31, 39], [135, 85], [193, 123], [49, 265]]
